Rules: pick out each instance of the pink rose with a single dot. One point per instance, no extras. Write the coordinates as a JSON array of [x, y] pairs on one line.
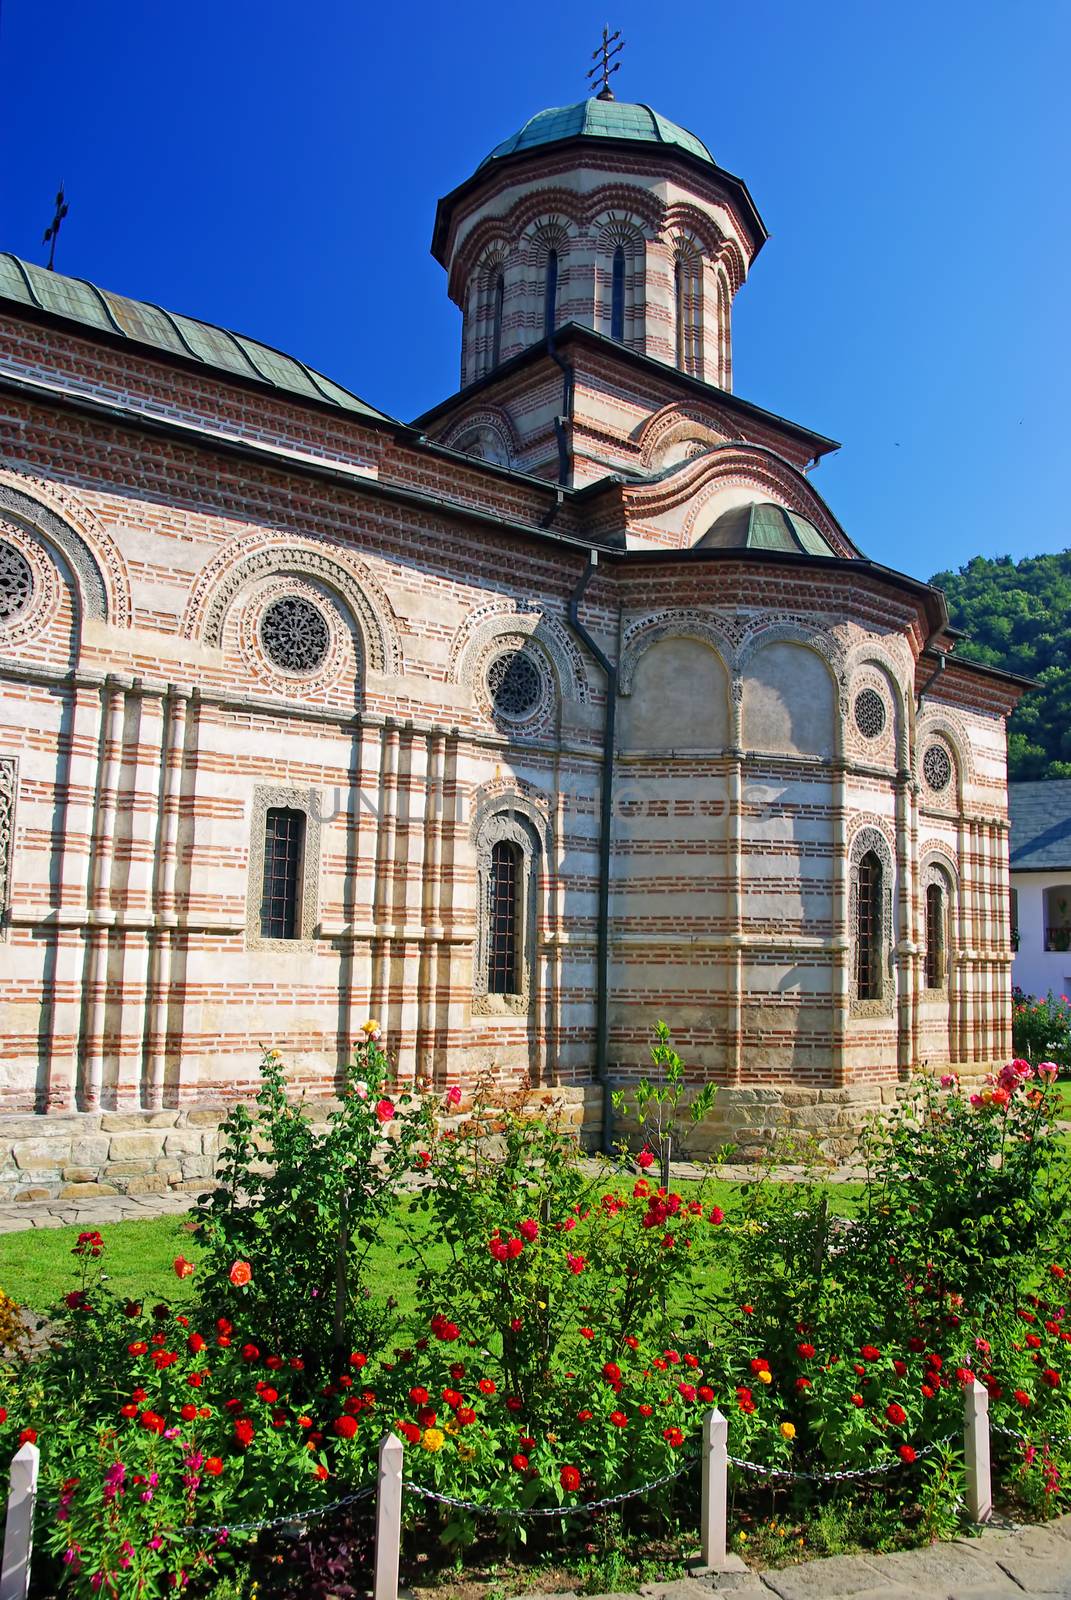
[[384, 1110], [453, 1096]]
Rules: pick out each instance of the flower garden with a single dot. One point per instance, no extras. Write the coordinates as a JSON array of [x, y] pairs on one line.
[[565, 1325]]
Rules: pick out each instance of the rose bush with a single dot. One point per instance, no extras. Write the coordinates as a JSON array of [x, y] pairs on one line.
[[574, 1321]]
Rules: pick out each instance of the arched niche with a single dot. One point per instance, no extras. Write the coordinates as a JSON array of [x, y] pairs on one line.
[[679, 699], [789, 701]]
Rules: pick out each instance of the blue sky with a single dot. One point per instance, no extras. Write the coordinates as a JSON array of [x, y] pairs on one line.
[[274, 168]]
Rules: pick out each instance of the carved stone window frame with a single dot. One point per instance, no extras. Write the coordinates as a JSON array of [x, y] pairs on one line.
[[939, 872], [507, 825], [9, 776], [307, 801], [865, 842]]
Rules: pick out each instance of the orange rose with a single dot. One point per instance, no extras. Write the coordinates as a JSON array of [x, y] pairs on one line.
[[241, 1274], [183, 1268]]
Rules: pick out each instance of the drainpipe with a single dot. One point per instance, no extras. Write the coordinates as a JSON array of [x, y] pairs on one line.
[[606, 810], [565, 416], [936, 673]]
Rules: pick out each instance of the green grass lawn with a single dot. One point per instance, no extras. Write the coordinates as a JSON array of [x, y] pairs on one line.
[[1064, 1087], [36, 1267]]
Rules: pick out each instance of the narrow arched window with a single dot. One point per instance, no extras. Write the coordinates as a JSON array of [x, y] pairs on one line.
[[868, 984], [496, 319], [503, 932], [688, 295], [284, 846], [617, 295], [935, 936], [550, 294]]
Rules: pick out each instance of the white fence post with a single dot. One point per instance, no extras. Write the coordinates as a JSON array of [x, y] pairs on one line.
[[976, 1451], [18, 1529], [714, 1519], [388, 1519]]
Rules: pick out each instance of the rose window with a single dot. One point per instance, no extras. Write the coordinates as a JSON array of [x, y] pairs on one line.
[[295, 634], [869, 713], [515, 685], [16, 582], [937, 768]]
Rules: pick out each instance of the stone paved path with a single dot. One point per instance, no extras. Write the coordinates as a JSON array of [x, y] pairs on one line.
[[1006, 1563]]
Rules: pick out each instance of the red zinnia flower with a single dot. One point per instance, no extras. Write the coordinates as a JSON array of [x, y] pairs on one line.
[[619, 1419], [151, 1422], [485, 1386], [244, 1431], [409, 1432], [188, 1413], [856, 1399], [1022, 1397], [529, 1230], [519, 1463], [673, 1437], [195, 1344], [584, 1416], [805, 1350], [646, 1410], [612, 1372], [345, 1427], [645, 1159], [906, 1453], [1051, 1377], [213, 1466], [513, 1404], [896, 1414], [420, 1397], [869, 1352], [139, 1348], [569, 1478], [250, 1352]]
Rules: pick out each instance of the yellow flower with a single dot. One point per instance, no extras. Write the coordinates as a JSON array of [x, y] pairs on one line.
[[765, 1377], [466, 1452], [433, 1439], [451, 1427], [371, 1026], [788, 1430]]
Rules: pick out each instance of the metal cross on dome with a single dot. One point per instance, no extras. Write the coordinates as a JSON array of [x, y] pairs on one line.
[[612, 45]]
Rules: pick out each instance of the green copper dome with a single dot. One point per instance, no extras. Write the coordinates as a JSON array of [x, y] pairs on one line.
[[600, 119], [765, 526]]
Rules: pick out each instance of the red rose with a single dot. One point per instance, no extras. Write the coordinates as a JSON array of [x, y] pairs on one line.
[[896, 1414], [673, 1437], [519, 1463], [529, 1230], [213, 1466], [244, 1431], [716, 1216], [384, 1110], [514, 1248], [569, 1478], [345, 1427], [645, 1159], [906, 1453], [183, 1268]]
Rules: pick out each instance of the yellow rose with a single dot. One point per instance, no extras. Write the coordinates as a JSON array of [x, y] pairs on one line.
[[765, 1377], [788, 1430], [371, 1026], [433, 1439]]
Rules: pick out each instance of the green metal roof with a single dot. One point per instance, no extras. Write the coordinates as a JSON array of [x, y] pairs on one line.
[[765, 526], [599, 119], [232, 354]]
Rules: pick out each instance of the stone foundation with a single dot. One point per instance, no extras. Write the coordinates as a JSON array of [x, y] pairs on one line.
[[85, 1155]]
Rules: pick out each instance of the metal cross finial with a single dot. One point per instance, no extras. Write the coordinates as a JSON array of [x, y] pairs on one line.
[[612, 45], [52, 231]]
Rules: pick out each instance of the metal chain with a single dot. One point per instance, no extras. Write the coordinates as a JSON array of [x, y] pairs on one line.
[[837, 1477], [550, 1511], [287, 1518], [1022, 1438]]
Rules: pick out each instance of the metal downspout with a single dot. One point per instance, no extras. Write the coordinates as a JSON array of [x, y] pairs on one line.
[[565, 416], [606, 811]]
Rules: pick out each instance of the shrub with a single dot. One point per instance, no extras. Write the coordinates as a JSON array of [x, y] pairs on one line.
[[1041, 1029]]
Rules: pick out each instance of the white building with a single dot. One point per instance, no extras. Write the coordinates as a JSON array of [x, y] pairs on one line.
[[1041, 885]]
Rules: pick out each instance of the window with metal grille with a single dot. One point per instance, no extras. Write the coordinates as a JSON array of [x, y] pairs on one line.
[[868, 930], [503, 907], [496, 327], [935, 936], [284, 841], [617, 295], [550, 294]]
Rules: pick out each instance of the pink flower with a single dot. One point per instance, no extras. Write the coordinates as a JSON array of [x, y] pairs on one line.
[[1048, 1070], [576, 1263], [384, 1110], [529, 1230], [453, 1096], [361, 1090], [948, 1080]]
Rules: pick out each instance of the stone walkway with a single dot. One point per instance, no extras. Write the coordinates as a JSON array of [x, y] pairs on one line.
[[1005, 1563]]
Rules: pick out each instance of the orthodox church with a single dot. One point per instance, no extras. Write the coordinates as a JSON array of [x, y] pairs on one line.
[[566, 707]]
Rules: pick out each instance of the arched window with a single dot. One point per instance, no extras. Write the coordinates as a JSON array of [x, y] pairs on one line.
[[617, 295], [550, 294], [503, 910], [284, 844], [688, 293], [868, 979], [496, 319], [935, 936]]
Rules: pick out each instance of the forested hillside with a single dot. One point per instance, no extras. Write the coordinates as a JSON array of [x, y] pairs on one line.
[[1018, 616]]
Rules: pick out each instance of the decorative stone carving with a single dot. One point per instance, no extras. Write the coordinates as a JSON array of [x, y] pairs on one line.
[[869, 711], [307, 801], [867, 839], [42, 522], [16, 582], [684, 623], [8, 772], [937, 768], [515, 685], [225, 577], [502, 625], [295, 634]]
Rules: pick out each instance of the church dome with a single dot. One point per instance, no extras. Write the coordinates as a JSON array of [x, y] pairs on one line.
[[599, 119], [764, 525]]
